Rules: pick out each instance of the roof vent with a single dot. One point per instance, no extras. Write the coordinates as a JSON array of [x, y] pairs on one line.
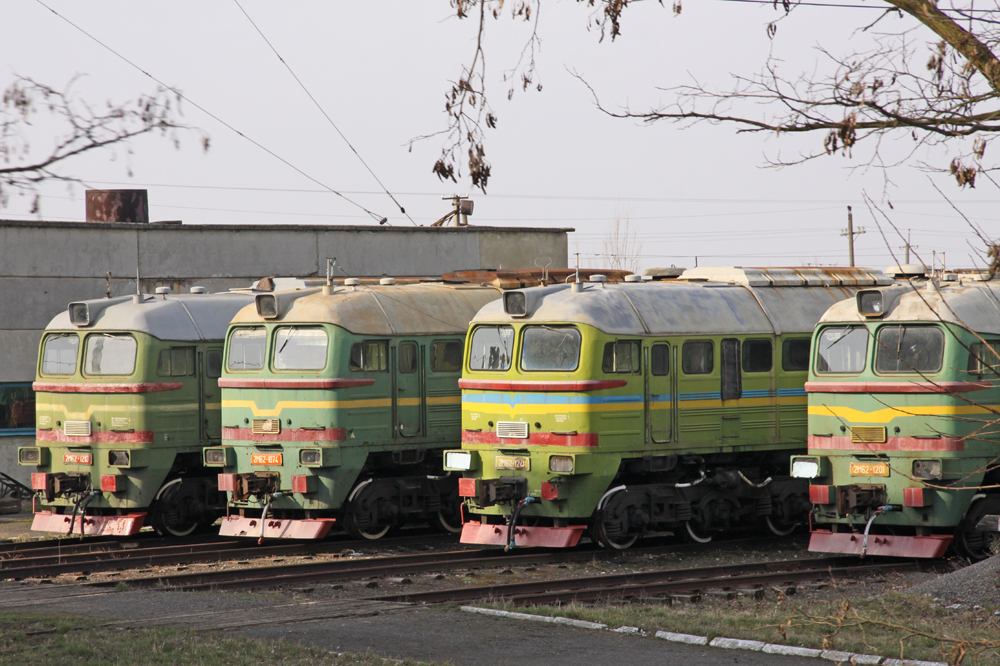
[[907, 271], [387, 281], [199, 290], [162, 290], [949, 277], [598, 278], [633, 278], [352, 282]]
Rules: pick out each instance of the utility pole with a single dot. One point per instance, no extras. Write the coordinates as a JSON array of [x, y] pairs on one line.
[[908, 247], [851, 233]]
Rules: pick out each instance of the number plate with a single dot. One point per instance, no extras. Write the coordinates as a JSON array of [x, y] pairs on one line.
[[513, 462], [78, 458], [869, 469], [265, 459]]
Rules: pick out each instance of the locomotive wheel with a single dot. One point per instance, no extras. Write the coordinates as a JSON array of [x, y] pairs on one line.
[[620, 543], [599, 531], [449, 519], [779, 527], [370, 534], [695, 534], [177, 511], [975, 544], [364, 502]]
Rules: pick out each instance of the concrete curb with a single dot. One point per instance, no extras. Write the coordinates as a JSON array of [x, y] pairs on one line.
[[719, 642]]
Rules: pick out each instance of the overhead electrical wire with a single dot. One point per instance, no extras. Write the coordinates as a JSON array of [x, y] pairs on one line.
[[323, 111], [180, 95]]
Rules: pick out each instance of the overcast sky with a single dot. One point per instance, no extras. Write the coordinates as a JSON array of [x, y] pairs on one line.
[[380, 70]]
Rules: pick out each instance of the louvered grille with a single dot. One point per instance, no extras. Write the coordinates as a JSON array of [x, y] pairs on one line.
[[77, 428], [868, 434], [266, 426], [515, 429]]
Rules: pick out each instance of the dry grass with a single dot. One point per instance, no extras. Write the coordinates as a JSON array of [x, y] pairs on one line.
[[893, 625]]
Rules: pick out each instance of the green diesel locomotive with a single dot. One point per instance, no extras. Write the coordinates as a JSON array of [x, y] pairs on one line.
[[904, 392], [126, 398], [336, 405], [640, 407]]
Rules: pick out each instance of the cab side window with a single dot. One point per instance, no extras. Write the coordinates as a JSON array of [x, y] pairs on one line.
[[621, 357], [369, 356], [697, 357], [177, 362]]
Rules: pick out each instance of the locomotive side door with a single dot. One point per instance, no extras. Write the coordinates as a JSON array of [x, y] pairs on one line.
[[407, 372], [211, 395], [659, 402]]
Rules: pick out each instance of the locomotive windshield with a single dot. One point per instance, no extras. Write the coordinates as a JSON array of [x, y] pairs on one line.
[[909, 349], [492, 348], [246, 349], [300, 349], [109, 355], [59, 354], [842, 349], [549, 348]]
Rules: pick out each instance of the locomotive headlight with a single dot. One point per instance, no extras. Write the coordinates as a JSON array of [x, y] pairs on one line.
[[563, 464], [217, 456], [311, 457], [515, 304], [32, 455], [79, 314], [458, 460], [119, 459], [870, 303], [267, 306], [806, 467], [927, 469]]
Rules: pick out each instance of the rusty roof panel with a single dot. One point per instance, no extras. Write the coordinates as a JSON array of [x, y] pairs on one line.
[[806, 276]]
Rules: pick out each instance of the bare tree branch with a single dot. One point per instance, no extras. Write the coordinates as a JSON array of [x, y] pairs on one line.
[[78, 129]]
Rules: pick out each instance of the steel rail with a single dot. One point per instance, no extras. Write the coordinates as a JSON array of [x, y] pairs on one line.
[[192, 553], [672, 581], [274, 576], [760, 580]]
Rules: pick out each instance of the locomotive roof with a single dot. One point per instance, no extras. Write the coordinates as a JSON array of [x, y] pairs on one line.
[[973, 305], [411, 309], [683, 308], [188, 317]]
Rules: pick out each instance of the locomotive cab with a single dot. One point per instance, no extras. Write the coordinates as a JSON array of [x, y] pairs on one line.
[[625, 409], [901, 460]]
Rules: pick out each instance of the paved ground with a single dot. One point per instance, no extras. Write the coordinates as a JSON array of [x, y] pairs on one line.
[[392, 630]]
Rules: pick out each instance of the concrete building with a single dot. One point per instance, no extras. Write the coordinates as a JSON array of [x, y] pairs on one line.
[[46, 265]]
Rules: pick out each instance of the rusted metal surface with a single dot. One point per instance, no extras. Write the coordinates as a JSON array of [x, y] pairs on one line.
[[971, 304], [414, 309], [710, 301], [117, 206]]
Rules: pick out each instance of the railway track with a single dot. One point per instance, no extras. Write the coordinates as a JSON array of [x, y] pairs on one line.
[[387, 566], [660, 584], [122, 555]]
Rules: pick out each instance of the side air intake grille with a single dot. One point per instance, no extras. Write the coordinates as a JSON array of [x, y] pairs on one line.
[[77, 428], [514, 429], [868, 434]]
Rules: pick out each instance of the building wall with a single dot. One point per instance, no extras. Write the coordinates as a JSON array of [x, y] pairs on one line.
[[46, 265]]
